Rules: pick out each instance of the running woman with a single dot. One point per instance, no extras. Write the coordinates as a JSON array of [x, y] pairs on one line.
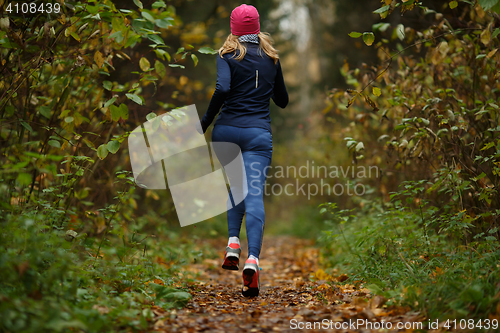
[[248, 76]]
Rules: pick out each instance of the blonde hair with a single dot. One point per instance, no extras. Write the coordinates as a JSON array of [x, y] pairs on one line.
[[265, 44]]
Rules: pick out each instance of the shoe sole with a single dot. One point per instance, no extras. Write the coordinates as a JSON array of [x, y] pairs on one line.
[[248, 277], [231, 262]]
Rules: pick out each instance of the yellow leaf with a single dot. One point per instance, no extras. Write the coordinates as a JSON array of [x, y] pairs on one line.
[[321, 275], [376, 91], [98, 58], [349, 103], [323, 286], [158, 281], [486, 36], [62, 19], [437, 272], [368, 38], [144, 64], [491, 53], [195, 59]]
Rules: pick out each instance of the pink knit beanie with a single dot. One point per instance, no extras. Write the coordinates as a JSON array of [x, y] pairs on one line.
[[245, 20]]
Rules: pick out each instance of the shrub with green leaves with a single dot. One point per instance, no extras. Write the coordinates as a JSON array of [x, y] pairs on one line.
[[74, 81], [398, 254], [430, 108], [428, 115], [53, 280]]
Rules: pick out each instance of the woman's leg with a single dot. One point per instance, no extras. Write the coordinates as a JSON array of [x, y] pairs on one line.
[[235, 218], [223, 133], [257, 155], [256, 167], [257, 149]]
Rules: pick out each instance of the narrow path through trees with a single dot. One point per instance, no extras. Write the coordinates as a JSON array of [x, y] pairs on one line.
[[295, 294]]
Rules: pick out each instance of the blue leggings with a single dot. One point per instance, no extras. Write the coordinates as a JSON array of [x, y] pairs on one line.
[[256, 145]]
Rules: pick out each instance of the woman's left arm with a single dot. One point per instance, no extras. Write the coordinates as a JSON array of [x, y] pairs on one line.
[[221, 91], [280, 95]]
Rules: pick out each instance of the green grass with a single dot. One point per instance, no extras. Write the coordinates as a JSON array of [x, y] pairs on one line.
[[302, 221], [51, 282], [397, 257]]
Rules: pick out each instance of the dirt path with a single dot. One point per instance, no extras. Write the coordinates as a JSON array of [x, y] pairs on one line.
[[288, 299]]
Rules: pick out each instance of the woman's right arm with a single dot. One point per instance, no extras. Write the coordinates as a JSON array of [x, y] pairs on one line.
[[280, 96], [221, 91]]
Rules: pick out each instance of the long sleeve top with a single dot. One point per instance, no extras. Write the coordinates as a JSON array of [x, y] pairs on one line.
[[244, 89]]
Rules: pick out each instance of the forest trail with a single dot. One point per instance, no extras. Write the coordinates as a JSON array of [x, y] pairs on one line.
[[289, 297]]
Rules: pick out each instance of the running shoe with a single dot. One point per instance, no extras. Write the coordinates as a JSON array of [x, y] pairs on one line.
[[251, 283], [232, 257]]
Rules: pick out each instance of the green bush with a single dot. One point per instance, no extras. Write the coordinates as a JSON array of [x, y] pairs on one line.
[[411, 257], [431, 103], [52, 280]]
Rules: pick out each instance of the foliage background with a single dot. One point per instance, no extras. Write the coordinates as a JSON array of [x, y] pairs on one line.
[[415, 94]]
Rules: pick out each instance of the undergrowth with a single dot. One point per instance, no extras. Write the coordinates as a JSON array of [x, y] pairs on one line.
[[53, 280], [419, 257]]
